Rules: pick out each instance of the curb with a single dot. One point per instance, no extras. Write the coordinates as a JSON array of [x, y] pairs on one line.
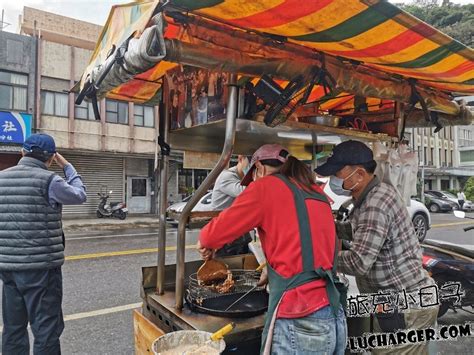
[[108, 226]]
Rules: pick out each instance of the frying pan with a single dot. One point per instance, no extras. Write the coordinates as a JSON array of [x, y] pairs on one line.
[[253, 304]]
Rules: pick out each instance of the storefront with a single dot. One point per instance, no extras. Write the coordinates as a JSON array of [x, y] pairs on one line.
[[14, 129], [99, 173], [139, 173]]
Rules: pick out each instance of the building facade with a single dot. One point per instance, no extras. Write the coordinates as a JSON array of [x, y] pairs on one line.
[[443, 156], [466, 141], [38, 67], [17, 93]]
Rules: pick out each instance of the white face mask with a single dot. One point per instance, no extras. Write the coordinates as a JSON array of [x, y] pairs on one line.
[[337, 185], [246, 169]]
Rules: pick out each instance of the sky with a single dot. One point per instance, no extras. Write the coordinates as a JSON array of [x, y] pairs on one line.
[[95, 11]]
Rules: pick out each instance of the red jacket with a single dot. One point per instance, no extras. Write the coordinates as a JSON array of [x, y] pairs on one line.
[[268, 205]]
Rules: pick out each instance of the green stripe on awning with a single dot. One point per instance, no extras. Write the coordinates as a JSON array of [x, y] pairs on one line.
[[432, 57], [360, 23], [196, 4]]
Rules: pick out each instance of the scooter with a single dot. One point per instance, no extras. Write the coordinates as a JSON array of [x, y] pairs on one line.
[[449, 263], [113, 209]]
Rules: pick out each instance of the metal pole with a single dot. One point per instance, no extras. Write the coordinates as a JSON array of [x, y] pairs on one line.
[[314, 160], [210, 179], [160, 276], [423, 158]]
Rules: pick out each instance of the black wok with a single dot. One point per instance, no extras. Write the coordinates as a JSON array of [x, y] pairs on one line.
[[253, 304]]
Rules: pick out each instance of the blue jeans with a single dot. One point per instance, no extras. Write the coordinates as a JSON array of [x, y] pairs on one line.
[[32, 296], [318, 333]]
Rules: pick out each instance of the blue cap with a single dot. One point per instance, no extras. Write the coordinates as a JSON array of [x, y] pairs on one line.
[[347, 153], [41, 143]]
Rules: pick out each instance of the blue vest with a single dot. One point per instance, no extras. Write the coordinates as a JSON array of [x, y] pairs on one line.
[[31, 235]]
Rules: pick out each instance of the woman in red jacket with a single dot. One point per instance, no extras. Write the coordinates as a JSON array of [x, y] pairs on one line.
[[296, 229]]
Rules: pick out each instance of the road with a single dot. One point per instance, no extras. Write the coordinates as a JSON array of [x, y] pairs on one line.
[[102, 276]]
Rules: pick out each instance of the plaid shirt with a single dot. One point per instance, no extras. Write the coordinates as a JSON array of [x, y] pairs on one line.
[[385, 253]]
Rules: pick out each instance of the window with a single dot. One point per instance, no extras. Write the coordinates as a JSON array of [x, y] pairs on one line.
[[116, 111], [13, 91], [84, 111], [185, 181], [444, 184], [54, 103], [467, 156], [139, 187], [144, 116]]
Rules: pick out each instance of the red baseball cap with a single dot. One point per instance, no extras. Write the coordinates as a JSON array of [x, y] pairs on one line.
[[265, 152]]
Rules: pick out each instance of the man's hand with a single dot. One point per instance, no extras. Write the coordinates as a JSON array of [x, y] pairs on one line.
[[263, 277], [60, 160], [206, 253], [344, 230]]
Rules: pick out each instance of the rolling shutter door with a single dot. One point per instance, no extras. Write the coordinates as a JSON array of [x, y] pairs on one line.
[[97, 172]]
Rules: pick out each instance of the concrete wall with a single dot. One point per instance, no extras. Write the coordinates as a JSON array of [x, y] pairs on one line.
[[81, 60], [18, 54], [58, 128], [136, 167], [144, 140], [55, 60], [59, 28], [58, 63], [87, 135]]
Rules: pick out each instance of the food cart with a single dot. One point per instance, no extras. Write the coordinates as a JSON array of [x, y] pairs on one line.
[[232, 75]]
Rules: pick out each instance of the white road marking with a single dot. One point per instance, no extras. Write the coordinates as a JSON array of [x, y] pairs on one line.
[[111, 236], [99, 312], [121, 235]]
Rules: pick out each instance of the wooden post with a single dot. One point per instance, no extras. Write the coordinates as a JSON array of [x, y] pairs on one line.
[[145, 333]]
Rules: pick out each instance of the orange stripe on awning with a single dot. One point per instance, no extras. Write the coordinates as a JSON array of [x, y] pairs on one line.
[[394, 45], [286, 12], [451, 73]]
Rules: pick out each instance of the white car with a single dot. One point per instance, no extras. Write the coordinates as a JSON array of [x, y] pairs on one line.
[[419, 214], [467, 206], [204, 204]]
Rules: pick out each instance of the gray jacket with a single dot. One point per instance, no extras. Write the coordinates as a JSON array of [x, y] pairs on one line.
[[226, 189], [31, 235]]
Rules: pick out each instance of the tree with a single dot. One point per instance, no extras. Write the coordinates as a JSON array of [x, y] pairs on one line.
[[457, 21], [469, 189]]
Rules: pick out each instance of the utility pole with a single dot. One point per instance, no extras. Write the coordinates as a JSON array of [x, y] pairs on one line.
[[3, 24], [423, 158]]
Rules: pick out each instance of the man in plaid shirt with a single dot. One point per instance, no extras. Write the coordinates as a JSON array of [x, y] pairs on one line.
[[385, 253]]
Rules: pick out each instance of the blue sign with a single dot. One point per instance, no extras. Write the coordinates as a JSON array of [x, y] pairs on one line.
[[14, 127]]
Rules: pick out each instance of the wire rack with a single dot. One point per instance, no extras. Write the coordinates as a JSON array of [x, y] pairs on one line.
[[244, 280]]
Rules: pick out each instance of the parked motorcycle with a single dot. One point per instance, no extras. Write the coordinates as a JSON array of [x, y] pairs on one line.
[[448, 263], [113, 209]]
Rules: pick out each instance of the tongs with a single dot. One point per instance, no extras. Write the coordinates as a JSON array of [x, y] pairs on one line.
[[212, 270], [258, 269]]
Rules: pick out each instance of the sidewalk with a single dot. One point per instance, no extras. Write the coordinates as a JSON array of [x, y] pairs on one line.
[[93, 223]]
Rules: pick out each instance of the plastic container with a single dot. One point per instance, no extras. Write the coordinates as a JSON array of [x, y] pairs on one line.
[[181, 338]]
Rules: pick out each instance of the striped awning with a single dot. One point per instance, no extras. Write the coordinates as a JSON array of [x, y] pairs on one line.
[[374, 32], [371, 33]]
